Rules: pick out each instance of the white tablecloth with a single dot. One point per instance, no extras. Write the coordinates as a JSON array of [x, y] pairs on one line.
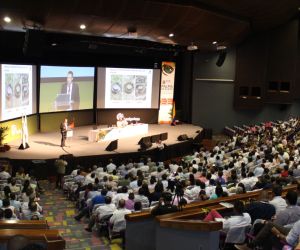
[[117, 133]]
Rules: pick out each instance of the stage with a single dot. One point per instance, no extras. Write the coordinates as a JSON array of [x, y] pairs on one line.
[[45, 146]]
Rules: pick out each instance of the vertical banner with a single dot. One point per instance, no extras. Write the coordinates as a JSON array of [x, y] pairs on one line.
[[166, 111]]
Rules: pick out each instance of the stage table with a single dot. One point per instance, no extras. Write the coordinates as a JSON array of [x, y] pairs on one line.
[[114, 133]]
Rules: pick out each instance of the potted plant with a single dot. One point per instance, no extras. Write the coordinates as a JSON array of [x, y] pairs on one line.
[[3, 134]]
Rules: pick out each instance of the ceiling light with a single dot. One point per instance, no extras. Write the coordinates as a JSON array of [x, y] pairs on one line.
[[171, 35], [82, 26], [54, 44], [214, 42], [221, 47], [192, 47], [7, 19]]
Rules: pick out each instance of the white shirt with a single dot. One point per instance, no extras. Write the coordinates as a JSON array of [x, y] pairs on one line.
[[120, 196], [4, 175], [279, 203], [111, 167], [237, 221], [104, 210], [118, 219], [173, 168], [193, 192]]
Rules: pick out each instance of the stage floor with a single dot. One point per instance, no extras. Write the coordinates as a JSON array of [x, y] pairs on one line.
[[47, 145]]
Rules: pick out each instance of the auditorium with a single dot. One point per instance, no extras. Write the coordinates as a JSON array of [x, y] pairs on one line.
[[150, 125]]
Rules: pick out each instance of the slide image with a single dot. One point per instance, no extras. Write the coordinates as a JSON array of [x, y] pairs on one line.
[[128, 87], [66, 88], [16, 90]]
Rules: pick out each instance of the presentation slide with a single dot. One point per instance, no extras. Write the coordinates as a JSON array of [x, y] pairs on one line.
[[121, 88], [18, 91], [66, 88]]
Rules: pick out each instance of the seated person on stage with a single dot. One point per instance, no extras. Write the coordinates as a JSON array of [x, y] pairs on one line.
[[121, 121]]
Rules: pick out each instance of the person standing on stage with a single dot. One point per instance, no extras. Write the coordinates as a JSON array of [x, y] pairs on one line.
[[63, 131], [71, 88]]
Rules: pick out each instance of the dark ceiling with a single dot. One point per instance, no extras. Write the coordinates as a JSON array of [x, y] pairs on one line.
[[198, 21]]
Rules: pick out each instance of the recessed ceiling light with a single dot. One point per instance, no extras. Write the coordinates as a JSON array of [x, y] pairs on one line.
[[82, 26], [54, 44], [171, 34], [7, 19], [214, 42]]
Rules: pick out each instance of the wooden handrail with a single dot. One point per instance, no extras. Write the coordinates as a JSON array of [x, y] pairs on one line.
[[195, 225], [23, 224], [33, 234]]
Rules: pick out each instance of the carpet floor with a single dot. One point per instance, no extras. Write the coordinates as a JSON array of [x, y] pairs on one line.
[[60, 212]]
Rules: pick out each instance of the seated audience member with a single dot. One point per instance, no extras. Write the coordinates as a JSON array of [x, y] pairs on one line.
[[117, 220], [6, 205], [164, 205], [129, 204], [239, 219], [111, 166], [122, 195], [98, 199], [4, 175], [202, 196], [15, 203], [7, 192], [79, 178], [101, 212], [34, 213], [278, 202], [158, 191], [218, 192], [261, 209], [284, 221], [193, 191], [9, 215], [137, 206], [272, 235], [20, 174], [285, 172], [13, 187], [288, 216], [142, 198]]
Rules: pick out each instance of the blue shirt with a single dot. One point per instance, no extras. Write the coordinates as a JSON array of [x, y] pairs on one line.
[[98, 199]]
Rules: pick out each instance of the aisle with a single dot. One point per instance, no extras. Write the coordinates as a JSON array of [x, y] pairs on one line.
[[59, 213]]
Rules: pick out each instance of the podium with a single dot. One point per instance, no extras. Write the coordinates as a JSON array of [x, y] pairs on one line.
[[69, 133], [62, 102]]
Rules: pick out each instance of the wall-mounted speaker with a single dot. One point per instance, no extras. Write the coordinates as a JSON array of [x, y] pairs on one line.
[[33, 43], [221, 58]]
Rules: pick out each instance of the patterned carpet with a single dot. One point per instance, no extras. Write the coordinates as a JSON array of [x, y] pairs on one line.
[[59, 212]]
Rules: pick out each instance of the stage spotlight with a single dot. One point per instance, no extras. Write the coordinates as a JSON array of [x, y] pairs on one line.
[[82, 26], [171, 35]]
